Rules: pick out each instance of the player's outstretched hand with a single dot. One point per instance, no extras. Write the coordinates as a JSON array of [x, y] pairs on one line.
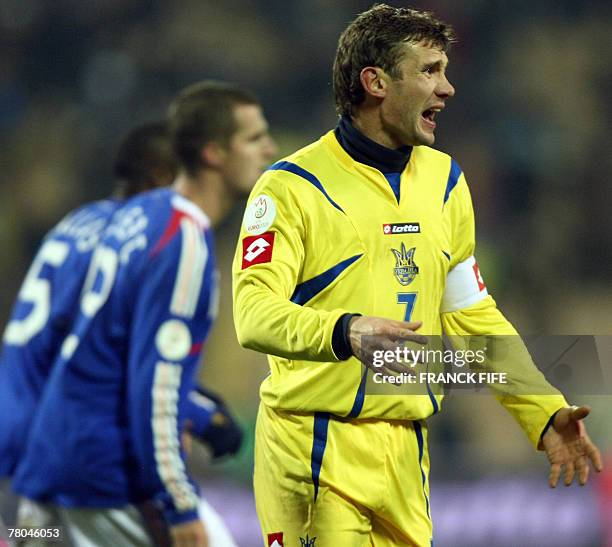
[[567, 445], [189, 534], [370, 334]]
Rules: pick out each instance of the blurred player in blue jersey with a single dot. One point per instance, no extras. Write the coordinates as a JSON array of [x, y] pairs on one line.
[[49, 298], [149, 290], [361, 240]]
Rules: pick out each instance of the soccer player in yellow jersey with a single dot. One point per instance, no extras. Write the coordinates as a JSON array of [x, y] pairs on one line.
[[357, 242]]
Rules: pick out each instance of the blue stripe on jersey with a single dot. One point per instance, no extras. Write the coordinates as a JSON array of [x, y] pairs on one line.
[[319, 442], [301, 172], [453, 178], [447, 255], [432, 397], [394, 181], [419, 436], [360, 396], [309, 289]]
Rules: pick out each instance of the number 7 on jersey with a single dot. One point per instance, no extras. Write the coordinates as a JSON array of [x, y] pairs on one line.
[[407, 298]]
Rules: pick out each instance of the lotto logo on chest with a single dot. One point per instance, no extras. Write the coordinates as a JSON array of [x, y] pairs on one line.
[[401, 228]]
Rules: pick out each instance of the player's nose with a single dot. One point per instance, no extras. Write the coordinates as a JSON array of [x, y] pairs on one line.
[[445, 88]]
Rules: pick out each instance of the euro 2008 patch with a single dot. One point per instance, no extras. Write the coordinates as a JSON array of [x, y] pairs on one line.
[[259, 215]]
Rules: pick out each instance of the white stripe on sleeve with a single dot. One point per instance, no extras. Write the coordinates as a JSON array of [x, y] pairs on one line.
[[164, 421], [190, 274]]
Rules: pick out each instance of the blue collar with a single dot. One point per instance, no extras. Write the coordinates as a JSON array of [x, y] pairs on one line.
[[365, 150]]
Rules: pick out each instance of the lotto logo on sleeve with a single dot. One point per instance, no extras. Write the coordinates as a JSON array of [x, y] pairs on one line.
[[257, 249], [275, 540], [480, 281]]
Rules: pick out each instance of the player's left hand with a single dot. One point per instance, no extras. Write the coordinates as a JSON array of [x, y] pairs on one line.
[[567, 445], [221, 433]]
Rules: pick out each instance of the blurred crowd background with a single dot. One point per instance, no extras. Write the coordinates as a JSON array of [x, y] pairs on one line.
[[530, 126]]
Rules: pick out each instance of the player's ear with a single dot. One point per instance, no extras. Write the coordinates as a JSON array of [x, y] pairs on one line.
[[213, 154], [374, 81]]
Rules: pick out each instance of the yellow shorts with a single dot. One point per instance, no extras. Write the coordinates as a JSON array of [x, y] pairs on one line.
[[347, 483]]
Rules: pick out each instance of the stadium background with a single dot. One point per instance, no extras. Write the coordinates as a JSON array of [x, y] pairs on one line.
[[530, 125]]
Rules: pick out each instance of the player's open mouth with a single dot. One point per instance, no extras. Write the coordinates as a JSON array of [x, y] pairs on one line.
[[428, 117]]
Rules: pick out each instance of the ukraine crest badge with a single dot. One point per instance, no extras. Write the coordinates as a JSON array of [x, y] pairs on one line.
[[405, 269]]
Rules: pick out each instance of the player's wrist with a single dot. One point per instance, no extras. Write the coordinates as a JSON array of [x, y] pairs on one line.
[[341, 343], [549, 423]]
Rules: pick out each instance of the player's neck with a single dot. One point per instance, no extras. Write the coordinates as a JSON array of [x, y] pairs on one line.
[[207, 190], [368, 121]]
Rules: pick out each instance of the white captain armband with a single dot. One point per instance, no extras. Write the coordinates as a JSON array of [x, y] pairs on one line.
[[464, 287]]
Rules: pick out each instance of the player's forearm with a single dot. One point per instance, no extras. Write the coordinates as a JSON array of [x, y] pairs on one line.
[[177, 492], [527, 395], [154, 395], [268, 323], [164, 470]]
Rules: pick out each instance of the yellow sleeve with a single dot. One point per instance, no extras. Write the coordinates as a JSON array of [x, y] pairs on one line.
[[461, 214], [265, 318], [529, 398]]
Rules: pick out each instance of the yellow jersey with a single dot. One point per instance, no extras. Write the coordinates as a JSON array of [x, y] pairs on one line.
[[324, 235]]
